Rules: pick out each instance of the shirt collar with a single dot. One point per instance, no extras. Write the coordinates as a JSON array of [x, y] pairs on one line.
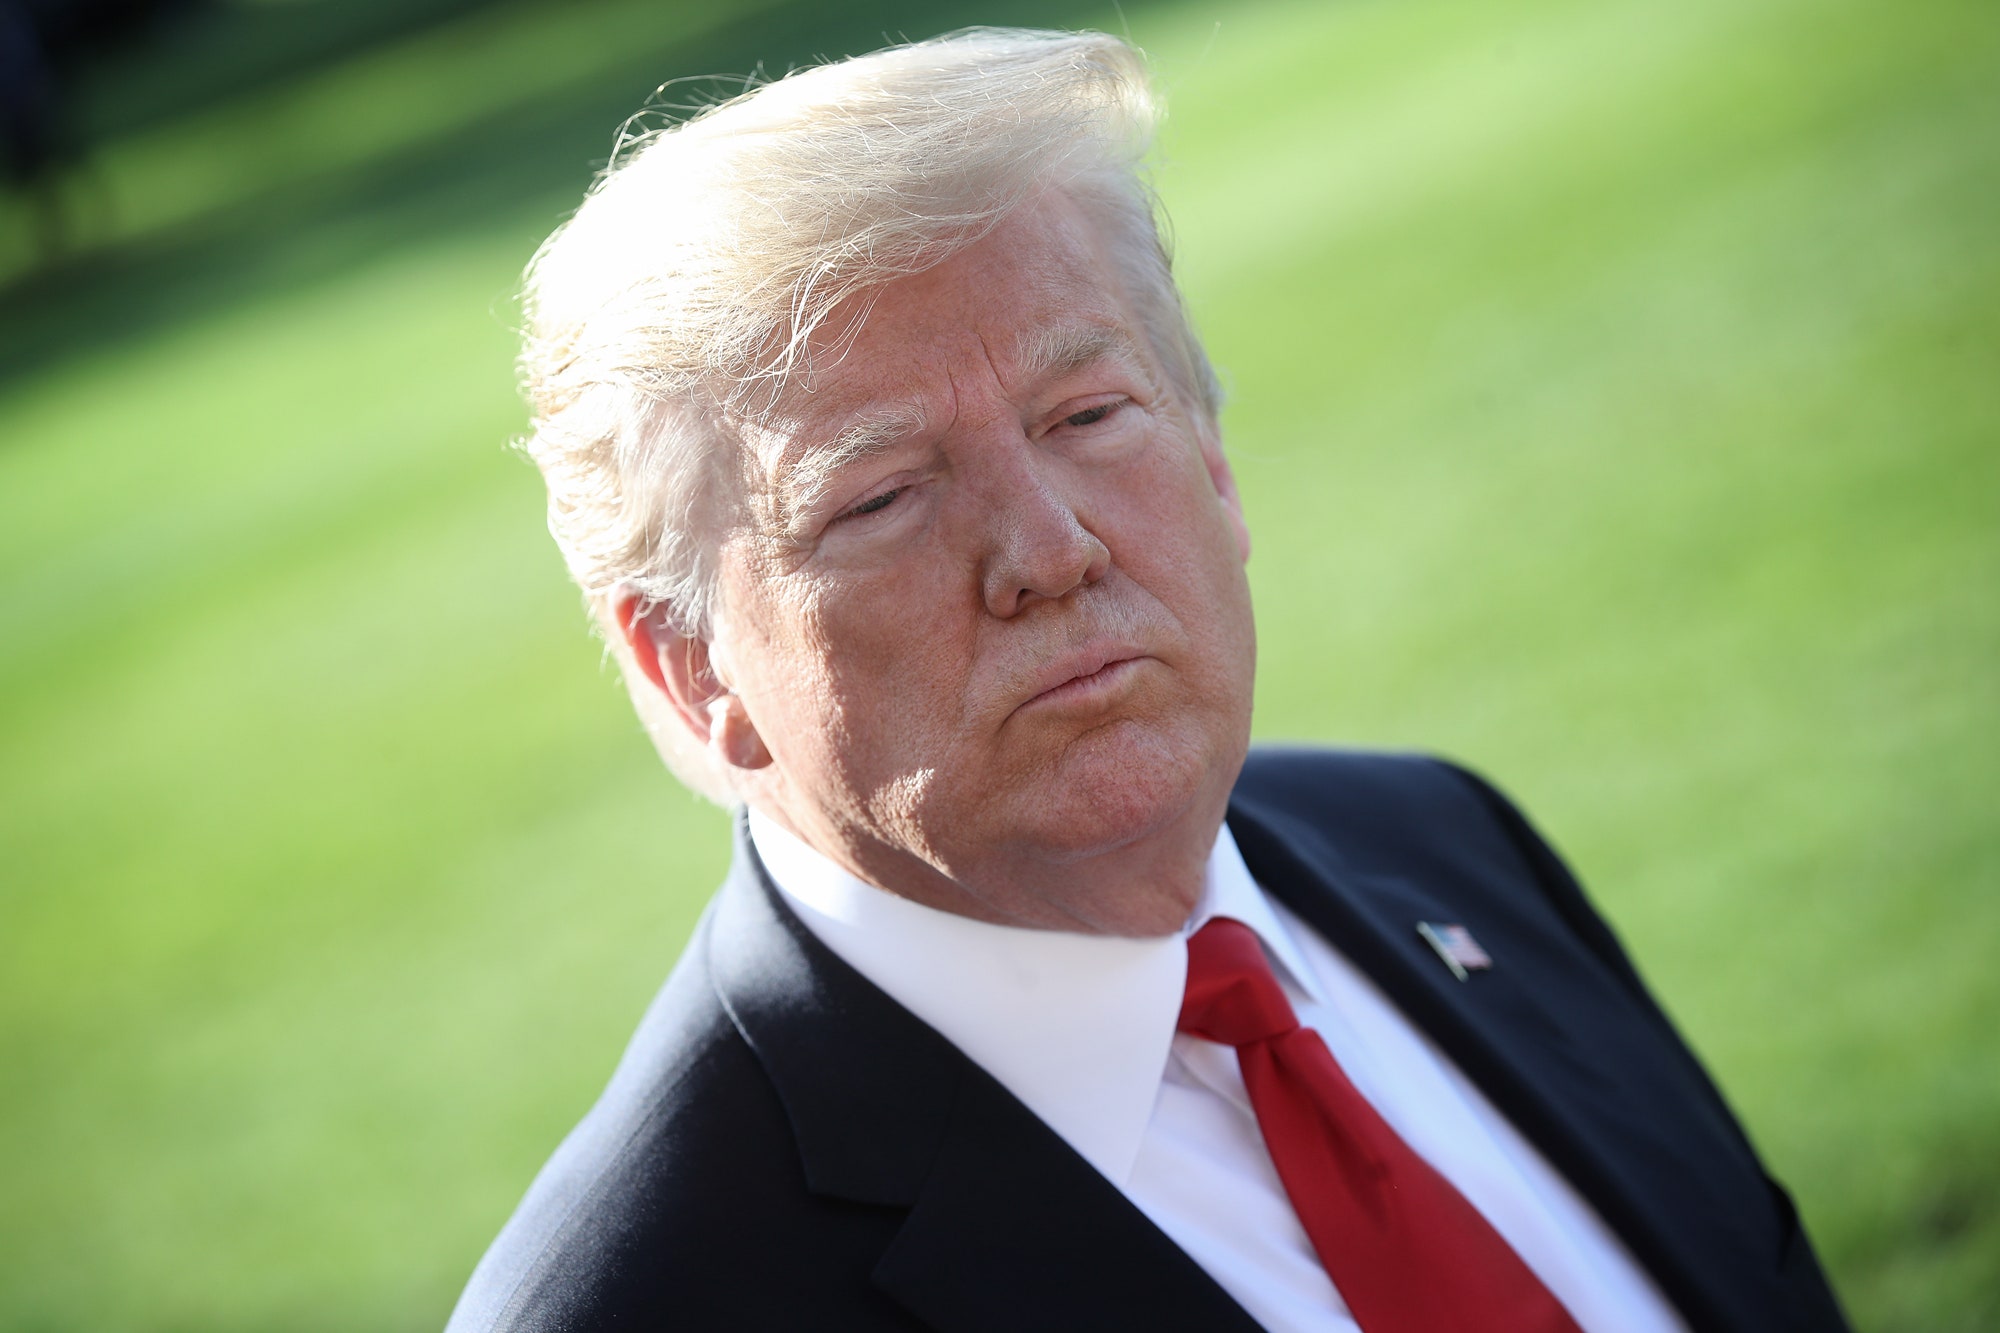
[[1228, 890], [1076, 1026]]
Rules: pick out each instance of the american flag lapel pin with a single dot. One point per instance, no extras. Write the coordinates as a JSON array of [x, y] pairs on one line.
[[1454, 944]]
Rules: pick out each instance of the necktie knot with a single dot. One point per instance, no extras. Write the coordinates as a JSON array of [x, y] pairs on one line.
[[1231, 995]]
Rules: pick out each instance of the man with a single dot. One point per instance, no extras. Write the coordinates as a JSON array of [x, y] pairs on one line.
[[876, 434]]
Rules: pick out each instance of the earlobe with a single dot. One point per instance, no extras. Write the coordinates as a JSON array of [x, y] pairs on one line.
[[681, 666]]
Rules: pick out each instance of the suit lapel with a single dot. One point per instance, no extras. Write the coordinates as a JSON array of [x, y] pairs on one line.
[[1013, 1230], [1516, 1045], [1008, 1228]]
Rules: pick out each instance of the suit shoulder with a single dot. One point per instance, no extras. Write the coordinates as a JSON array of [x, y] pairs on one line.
[[625, 1181], [666, 1204], [1419, 816], [1289, 774], [1377, 805]]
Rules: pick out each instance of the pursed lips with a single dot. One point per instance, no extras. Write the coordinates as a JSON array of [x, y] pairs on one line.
[[1080, 668]]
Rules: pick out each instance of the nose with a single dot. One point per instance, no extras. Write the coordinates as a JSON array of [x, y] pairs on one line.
[[1041, 549]]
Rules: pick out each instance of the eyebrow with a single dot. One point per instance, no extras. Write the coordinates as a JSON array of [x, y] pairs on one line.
[[804, 483], [1051, 351], [1046, 352]]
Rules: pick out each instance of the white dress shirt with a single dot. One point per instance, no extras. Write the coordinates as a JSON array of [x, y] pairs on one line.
[[1081, 1028]]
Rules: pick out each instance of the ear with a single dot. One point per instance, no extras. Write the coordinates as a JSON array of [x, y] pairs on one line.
[[682, 667], [1224, 481]]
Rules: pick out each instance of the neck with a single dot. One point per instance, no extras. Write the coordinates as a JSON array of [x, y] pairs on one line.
[[1146, 886]]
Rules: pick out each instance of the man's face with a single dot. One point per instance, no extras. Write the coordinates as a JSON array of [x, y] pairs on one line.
[[985, 605]]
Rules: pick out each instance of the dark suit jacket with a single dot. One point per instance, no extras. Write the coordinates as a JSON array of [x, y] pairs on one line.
[[785, 1147]]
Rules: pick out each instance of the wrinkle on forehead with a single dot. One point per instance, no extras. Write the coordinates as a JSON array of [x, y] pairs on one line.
[[1068, 314], [1042, 353]]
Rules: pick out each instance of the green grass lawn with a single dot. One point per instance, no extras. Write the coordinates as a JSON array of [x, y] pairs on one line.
[[1614, 398]]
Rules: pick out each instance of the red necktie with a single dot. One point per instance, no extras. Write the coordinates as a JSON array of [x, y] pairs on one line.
[[1407, 1252]]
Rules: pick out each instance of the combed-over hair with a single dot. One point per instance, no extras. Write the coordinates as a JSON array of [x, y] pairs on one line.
[[687, 288]]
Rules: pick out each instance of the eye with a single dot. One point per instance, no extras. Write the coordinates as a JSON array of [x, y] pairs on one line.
[[875, 504], [1090, 416]]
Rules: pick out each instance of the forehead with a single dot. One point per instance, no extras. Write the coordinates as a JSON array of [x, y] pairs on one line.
[[1035, 297], [1045, 264]]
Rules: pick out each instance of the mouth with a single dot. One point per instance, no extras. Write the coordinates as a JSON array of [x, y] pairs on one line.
[[1090, 678]]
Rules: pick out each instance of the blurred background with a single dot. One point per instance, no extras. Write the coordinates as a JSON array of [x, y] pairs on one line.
[[1614, 397]]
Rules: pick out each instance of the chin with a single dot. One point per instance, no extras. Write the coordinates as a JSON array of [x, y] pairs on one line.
[[1122, 784]]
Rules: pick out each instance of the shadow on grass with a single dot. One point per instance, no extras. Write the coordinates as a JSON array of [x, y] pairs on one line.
[[521, 168]]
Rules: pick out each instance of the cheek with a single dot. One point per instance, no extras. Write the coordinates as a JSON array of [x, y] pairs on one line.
[[1170, 515], [896, 649], [1183, 547], [782, 663]]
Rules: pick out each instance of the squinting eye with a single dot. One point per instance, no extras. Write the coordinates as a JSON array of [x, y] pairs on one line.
[[1090, 416], [879, 502]]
